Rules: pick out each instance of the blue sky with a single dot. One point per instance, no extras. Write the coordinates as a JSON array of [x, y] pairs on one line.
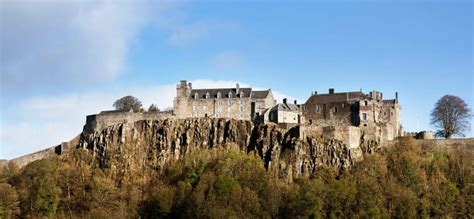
[[62, 61]]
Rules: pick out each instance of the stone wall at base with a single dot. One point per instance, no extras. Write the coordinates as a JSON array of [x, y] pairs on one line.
[[461, 142]]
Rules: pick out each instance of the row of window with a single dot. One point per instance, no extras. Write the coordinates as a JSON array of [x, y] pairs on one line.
[[208, 96], [241, 115], [219, 109]]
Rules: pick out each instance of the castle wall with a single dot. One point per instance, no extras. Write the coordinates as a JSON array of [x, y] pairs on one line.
[[102, 120]]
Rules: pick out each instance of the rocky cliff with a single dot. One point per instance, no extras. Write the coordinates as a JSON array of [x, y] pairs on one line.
[[152, 144]]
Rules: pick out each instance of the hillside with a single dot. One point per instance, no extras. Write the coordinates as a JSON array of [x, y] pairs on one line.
[[219, 168]]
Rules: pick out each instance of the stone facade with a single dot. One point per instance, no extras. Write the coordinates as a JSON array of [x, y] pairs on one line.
[[285, 113], [237, 103], [370, 112]]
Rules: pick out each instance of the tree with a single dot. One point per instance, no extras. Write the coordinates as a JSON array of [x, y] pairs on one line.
[[127, 103], [451, 115], [40, 193], [8, 201], [153, 108]]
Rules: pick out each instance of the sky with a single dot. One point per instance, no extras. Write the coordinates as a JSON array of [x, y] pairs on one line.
[[63, 60]]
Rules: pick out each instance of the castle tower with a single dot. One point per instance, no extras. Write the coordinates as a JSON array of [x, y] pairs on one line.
[[180, 104]]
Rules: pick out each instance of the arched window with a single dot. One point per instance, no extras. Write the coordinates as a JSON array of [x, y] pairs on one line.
[[241, 94], [218, 94], [196, 96], [207, 95]]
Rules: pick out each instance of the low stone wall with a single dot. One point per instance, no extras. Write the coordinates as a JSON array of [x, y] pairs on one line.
[[463, 142], [48, 152], [24, 160]]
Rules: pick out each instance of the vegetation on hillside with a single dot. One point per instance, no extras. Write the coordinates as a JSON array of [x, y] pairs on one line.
[[403, 181]]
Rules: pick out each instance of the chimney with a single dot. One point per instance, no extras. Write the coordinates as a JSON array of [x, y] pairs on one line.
[[183, 83], [190, 85], [296, 102], [237, 88], [284, 100], [315, 92], [331, 90], [396, 96]]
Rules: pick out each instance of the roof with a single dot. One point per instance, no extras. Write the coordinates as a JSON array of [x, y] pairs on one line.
[[286, 107], [338, 97], [392, 101], [260, 94], [247, 93]]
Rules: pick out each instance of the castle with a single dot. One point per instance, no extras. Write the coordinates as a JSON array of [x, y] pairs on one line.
[[370, 113]]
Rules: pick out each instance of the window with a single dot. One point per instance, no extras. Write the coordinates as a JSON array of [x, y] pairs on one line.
[[241, 109], [343, 105], [335, 109], [241, 94], [207, 95], [228, 109], [218, 95], [317, 108], [366, 103], [364, 116]]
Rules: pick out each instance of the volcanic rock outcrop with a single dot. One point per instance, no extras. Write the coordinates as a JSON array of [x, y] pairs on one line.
[[152, 144]]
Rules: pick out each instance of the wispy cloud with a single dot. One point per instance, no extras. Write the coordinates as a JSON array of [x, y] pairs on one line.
[[60, 44]]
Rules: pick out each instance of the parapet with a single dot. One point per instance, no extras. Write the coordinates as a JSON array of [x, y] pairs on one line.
[[109, 118]]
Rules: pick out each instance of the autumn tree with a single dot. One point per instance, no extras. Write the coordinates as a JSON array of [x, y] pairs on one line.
[[451, 116], [40, 192], [128, 103]]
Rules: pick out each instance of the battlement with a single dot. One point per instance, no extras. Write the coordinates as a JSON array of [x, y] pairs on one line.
[[109, 118]]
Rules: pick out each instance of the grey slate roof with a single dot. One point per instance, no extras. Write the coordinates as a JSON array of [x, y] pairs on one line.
[[260, 94], [286, 107]]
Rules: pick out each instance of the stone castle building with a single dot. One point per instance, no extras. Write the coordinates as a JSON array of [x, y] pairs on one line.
[[370, 112], [236, 102]]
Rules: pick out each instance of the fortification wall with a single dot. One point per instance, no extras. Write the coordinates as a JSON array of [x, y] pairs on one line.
[[102, 120], [349, 135], [464, 142]]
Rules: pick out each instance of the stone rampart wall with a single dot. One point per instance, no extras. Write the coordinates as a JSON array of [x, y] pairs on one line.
[[103, 120]]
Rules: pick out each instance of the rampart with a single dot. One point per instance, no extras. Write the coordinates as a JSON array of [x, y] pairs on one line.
[[446, 143], [109, 118]]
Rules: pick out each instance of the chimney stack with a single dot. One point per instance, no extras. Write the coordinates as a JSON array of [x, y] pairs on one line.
[[190, 85], [296, 102], [331, 90], [396, 97], [284, 100], [315, 92]]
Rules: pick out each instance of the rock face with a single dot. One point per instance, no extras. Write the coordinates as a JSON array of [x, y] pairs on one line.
[[152, 144]]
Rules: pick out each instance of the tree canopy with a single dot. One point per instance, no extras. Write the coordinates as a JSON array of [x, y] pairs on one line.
[[128, 103], [451, 116]]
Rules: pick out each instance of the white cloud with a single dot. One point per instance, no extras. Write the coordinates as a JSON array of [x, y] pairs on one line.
[[44, 121], [59, 44]]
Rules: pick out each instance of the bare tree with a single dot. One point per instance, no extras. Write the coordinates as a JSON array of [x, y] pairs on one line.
[[127, 103], [451, 116]]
